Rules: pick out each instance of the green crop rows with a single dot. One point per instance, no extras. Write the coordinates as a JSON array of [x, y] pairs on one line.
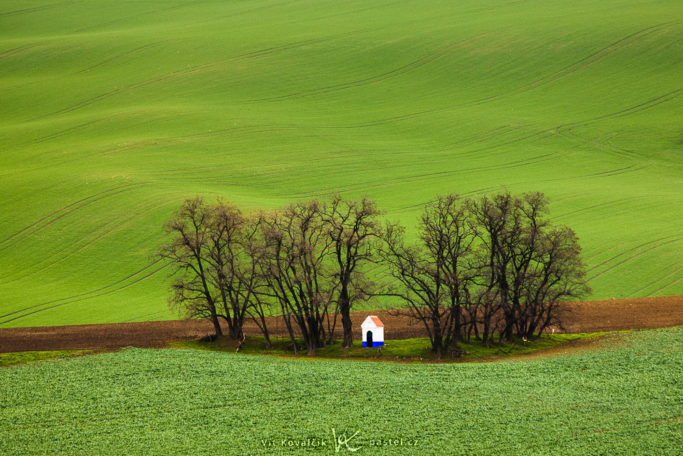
[[623, 398], [113, 112]]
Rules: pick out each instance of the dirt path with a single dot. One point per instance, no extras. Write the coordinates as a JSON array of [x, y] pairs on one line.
[[587, 316]]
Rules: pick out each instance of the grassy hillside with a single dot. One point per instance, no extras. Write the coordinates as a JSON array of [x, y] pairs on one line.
[[113, 112], [193, 402]]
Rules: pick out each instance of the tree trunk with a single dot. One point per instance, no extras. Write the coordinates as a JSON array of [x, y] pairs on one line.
[[236, 332], [345, 311], [458, 335], [310, 348], [437, 347], [485, 333], [216, 324], [264, 329], [437, 340], [290, 329], [508, 329]]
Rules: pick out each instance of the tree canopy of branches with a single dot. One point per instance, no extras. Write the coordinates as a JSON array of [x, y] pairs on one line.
[[490, 265], [526, 265], [301, 260], [353, 228], [212, 250], [433, 277], [294, 265]]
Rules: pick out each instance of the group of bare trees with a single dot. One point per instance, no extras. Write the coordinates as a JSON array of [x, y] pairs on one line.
[[478, 268], [486, 266], [305, 263]]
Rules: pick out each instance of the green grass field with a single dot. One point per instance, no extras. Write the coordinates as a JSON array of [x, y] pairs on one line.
[[621, 399], [113, 112]]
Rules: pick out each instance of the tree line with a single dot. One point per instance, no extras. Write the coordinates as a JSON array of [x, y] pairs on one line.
[[478, 268]]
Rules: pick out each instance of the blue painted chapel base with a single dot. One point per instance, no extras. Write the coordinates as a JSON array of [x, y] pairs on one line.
[[374, 344]]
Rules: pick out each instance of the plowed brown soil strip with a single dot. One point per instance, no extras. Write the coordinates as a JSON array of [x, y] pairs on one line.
[[587, 316]]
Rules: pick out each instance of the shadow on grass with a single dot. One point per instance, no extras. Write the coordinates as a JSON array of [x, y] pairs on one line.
[[400, 350], [16, 358]]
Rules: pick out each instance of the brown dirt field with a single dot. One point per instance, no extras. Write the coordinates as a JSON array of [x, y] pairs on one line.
[[586, 316]]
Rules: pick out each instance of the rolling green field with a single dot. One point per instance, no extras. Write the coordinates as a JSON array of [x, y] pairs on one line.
[[113, 112], [621, 399]]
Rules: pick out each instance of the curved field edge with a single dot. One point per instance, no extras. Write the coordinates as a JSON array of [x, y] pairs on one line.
[[401, 350], [114, 112], [398, 350], [183, 401]]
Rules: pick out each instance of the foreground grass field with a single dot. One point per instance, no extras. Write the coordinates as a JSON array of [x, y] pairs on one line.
[[113, 112], [623, 398]]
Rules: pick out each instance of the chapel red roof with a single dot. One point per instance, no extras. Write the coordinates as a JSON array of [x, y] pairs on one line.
[[376, 320]]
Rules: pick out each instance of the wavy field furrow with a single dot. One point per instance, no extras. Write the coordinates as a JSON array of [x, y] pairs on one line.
[[117, 57], [17, 51], [611, 266], [670, 279], [642, 106], [668, 286], [209, 66], [630, 250], [33, 9], [76, 246], [422, 177], [53, 217], [111, 288], [404, 69], [583, 63]]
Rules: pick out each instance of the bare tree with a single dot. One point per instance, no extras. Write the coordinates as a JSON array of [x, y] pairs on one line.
[[491, 218], [557, 274], [188, 248], [421, 284], [233, 268], [446, 233], [353, 227], [488, 266], [294, 266], [525, 265], [213, 250], [254, 248], [436, 275]]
